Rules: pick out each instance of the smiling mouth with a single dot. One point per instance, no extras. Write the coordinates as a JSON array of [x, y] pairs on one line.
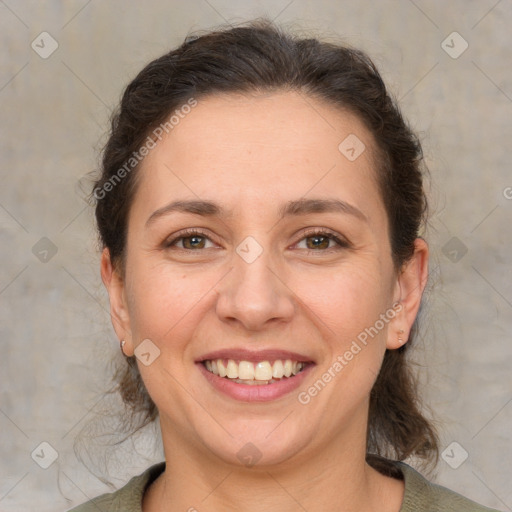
[[254, 373]]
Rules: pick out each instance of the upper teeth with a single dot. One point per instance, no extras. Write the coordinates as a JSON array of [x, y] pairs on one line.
[[248, 370]]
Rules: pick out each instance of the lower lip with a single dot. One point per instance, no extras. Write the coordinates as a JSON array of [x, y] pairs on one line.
[[256, 393]]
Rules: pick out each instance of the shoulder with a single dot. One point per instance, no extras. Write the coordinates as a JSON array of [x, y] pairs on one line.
[[424, 496], [125, 499], [420, 495]]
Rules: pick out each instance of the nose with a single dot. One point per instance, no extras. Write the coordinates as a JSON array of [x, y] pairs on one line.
[[254, 295]]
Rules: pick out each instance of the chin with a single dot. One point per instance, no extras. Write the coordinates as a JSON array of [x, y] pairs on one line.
[[259, 444]]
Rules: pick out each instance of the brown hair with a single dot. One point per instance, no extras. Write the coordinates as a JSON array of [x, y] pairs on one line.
[[261, 57]]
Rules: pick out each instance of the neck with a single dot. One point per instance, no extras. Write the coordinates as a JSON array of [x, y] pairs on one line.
[[327, 478]]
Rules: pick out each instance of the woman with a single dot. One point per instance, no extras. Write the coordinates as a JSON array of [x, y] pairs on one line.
[[259, 206]]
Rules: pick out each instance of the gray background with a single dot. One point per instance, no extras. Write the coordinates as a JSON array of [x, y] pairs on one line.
[[55, 332]]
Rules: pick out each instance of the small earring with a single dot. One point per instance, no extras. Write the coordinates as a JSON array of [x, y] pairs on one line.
[[122, 344], [400, 340]]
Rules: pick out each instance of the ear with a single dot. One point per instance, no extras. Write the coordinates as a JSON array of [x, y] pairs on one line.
[[118, 306], [411, 282]]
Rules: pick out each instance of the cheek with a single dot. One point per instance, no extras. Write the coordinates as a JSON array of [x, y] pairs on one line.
[[347, 305], [165, 302], [347, 299]]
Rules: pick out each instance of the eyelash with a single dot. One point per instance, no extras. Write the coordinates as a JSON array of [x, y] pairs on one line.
[[189, 233]]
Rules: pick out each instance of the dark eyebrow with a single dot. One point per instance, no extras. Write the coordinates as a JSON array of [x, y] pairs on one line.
[[297, 207], [306, 206], [197, 207]]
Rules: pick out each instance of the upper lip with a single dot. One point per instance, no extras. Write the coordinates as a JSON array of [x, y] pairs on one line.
[[242, 354]]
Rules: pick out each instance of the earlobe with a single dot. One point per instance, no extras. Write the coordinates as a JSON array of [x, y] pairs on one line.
[[118, 307], [411, 282]]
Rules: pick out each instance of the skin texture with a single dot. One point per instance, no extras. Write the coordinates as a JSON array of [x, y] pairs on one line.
[[251, 154]]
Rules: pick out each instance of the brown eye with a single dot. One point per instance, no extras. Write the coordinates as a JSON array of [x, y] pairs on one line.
[[317, 242], [320, 241], [189, 240], [193, 242]]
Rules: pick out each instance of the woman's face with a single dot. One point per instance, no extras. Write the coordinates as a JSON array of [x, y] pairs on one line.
[[235, 271]]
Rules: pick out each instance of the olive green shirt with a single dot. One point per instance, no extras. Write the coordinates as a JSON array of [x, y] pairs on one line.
[[420, 495]]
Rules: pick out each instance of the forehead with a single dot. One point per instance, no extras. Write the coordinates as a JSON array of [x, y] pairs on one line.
[[270, 146], [273, 121]]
